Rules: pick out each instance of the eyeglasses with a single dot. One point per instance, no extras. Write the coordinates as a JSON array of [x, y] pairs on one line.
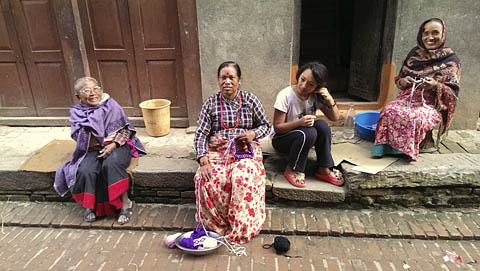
[[96, 90]]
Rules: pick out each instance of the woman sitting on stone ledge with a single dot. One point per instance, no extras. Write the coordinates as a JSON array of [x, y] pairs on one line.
[[429, 85], [230, 182], [96, 175]]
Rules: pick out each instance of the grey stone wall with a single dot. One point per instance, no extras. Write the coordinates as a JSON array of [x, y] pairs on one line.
[[258, 34], [461, 18]]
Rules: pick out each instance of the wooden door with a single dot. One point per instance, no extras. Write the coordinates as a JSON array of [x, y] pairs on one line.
[[134, 51], [158, 52], [15, 93], [108, 42], [49, 76]]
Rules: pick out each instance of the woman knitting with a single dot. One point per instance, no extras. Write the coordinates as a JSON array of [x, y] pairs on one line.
[[230, 181], [429, 85]]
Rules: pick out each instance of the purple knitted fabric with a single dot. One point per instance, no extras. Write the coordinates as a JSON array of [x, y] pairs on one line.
[[189, 242]]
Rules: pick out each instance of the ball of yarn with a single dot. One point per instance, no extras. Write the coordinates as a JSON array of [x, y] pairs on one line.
[[281, 244], [170, 240], [187, 243], [209, 242]]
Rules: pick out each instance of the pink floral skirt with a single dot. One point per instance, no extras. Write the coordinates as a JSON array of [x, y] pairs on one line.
[[232, 203], [405, 128]]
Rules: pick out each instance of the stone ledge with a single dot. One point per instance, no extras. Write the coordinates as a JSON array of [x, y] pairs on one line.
[[25, 180], [315, 191], [162, 172], [435, 180], [432, 170]]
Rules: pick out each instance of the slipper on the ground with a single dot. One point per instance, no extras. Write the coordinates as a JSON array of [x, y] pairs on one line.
[[87, 214], [127, 213], [335, 180], [290, 176]]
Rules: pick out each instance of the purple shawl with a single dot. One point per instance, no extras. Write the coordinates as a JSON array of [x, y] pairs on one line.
[[98, 121]]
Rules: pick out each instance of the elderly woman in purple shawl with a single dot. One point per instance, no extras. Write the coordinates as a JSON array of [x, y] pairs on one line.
[[106, 142]]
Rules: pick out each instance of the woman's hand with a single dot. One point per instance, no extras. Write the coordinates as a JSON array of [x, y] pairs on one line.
[[405, 82], [246, 137], [429, 83], [205, 170], [107, 150], [326, 96], [243, 139], [307, 120]]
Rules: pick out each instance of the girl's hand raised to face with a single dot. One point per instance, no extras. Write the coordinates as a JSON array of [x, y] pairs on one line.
[[326, 95]]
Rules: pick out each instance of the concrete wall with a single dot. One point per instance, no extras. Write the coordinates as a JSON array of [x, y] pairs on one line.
[[463, 36], [258, 34], [263, 37]]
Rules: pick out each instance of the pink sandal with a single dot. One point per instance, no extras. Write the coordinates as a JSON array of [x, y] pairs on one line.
[[292, 178], [335, 179]]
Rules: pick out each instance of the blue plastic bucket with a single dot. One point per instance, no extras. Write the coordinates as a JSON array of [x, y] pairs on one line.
[[365, 125]]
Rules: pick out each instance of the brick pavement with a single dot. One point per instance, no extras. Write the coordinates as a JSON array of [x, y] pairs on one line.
[[35, 248], [406, 224]]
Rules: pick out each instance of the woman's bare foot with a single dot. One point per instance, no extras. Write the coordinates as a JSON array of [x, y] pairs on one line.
[[126, 212], [324, 171], [89, 215]]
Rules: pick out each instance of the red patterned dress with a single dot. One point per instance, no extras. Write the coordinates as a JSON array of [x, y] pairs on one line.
[[232, 203]]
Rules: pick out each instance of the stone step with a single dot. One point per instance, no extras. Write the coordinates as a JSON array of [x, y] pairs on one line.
[[431, 170], [441, 180], [314, 191]]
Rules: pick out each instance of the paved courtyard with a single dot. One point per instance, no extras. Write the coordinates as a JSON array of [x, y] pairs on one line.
[[53, 236]]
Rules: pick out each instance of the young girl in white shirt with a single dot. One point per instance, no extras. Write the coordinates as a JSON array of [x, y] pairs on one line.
[[297, 131]]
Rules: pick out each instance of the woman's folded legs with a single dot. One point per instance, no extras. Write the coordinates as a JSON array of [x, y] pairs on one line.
[[102, 185], [296, 143]]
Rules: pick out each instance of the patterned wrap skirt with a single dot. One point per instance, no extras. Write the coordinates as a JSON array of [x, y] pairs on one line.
[[101, 182], [404, 128], [232, 203]]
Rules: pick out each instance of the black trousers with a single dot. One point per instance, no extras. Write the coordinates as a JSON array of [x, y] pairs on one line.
[[296, 143]]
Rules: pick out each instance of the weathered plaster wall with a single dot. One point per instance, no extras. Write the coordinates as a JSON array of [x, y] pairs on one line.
[[258, 34], [461, 18]]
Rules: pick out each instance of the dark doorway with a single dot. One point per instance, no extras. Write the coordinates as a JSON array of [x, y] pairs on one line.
[[326, 36], [348, 37]]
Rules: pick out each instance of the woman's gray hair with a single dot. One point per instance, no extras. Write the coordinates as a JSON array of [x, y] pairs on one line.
[[78, 85]]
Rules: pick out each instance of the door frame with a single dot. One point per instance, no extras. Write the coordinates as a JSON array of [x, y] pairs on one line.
[[188, 29]]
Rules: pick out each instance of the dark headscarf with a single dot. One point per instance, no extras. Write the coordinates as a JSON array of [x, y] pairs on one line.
[[443, 65]]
